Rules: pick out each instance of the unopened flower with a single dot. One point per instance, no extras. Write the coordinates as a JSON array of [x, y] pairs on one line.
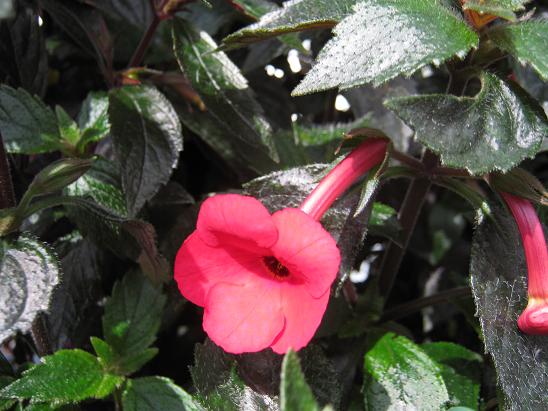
[[534, 319], [264, 280]]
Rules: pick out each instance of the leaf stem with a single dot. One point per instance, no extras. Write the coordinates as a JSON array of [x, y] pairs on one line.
[[408, 215], [411, 307], [139, 53], [7, 195], [406, 159]]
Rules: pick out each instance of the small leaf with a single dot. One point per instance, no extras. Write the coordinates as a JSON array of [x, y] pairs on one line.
[[498, 277], [28, 125], [93, 119], [384, 39], [521, 183], [157, 393], [294, 16], [132, 315], [526, 41], [295, 394], [224, 91], [494, 130], [501, 8], [147, 139], [65, 377], [68, 129], [400, 375], [460, 369], [384, 222], [28, 274], [23, 52]]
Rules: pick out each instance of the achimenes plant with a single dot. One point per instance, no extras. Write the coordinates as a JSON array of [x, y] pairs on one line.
[[270, 268]]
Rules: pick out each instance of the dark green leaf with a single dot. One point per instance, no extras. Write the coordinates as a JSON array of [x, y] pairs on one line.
[[294, 16], [295, 394], [501, 8], [157, 393], [527, 41], [400, 375], [521, 183], [387, 38], [225, 93], [460, 369], [132, 315], [219, 385], [28, 125], [384, 222], [23, 52], [74, 312], [494, 130], [147, 139], [6, 404], [498, 278], [64, 377], [86, 27], [28, 274], [93, 119]]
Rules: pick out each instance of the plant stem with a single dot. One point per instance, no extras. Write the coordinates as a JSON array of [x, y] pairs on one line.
[[409, 213], [411, 307], [7, 195], [406, 159], [139, 53]]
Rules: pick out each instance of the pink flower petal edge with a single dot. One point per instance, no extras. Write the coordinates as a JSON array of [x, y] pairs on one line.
[[534, 319]]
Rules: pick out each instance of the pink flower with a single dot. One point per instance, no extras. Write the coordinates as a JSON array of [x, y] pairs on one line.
[[265, 280], [534, 319]]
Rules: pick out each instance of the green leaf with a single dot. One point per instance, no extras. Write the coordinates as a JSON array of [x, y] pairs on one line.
[[384, 39], [460, 370], [121, 365], [294, 16], [295, 394], [132, 315], [6, 404], [494, 130], [29, 272], [384, 222], [28, 125], [65, 377], [157, 393], [229, 101], [147, 139], [498, 274], [400, 375], [68, 129], [501, 8], [93, 119], [527, 41], [23, 52]]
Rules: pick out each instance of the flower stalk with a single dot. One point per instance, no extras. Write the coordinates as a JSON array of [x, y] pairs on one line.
[[369, 154], [534, 319]]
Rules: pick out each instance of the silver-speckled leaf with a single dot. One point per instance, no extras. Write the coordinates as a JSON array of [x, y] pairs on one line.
[[494, 130], [29, 272], [387, 38], [498, 277]]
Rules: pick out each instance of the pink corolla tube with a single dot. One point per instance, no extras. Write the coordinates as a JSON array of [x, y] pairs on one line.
[[264, 279], [534, 319]]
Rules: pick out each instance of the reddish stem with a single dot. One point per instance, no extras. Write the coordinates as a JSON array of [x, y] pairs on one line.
[[369, 154]]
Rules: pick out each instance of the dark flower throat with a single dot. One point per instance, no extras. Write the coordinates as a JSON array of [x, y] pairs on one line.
[[275, 267]]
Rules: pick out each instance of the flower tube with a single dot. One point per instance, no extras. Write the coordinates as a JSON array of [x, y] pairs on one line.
[[264, 279], [534, 319]]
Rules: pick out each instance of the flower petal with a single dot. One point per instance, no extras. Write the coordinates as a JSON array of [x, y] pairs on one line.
[[306, 249], [227, 218], [303, 315], [198, 267], [243, 318]]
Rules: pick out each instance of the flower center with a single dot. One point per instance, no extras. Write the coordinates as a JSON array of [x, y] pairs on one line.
[[275, 267]]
